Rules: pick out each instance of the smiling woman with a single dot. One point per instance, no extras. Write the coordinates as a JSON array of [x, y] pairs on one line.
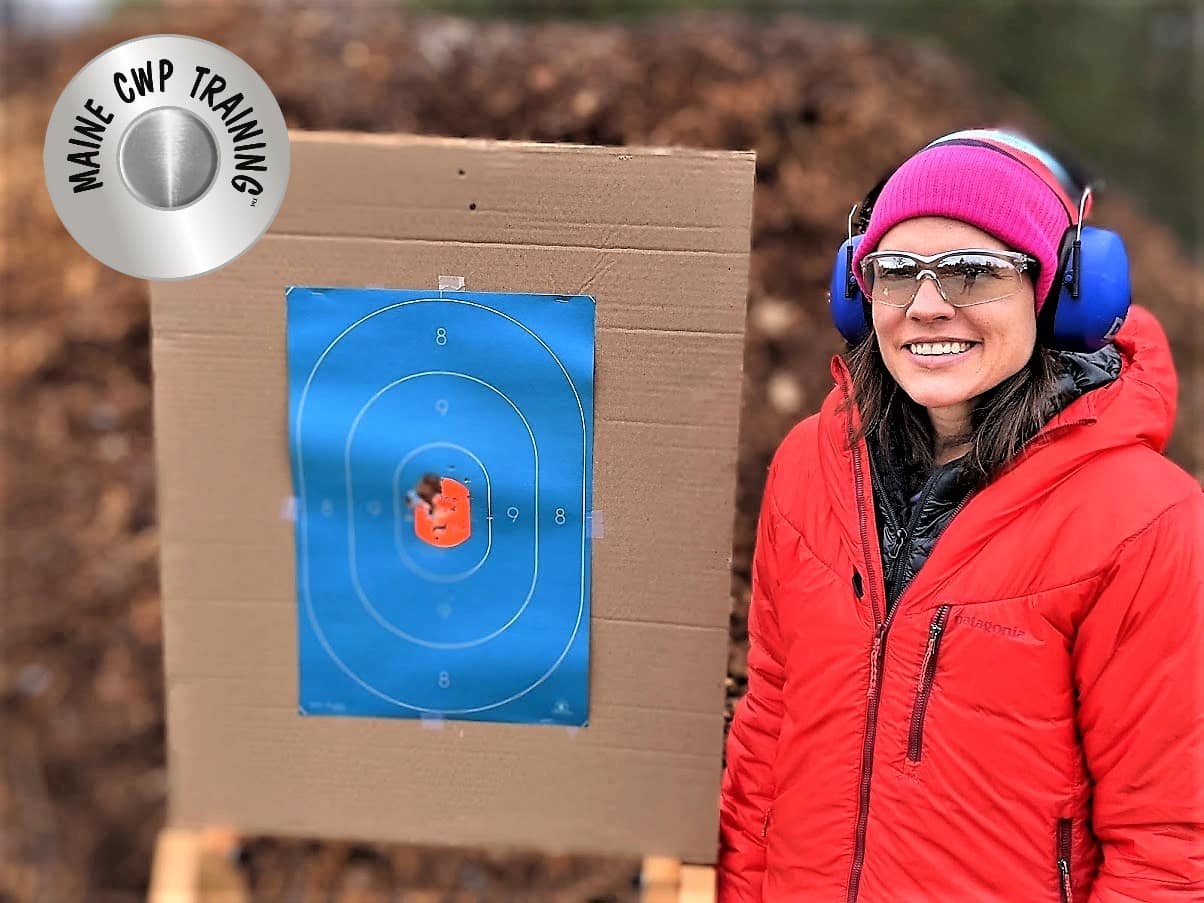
[[972, 190], [942, 354], [973, 662]]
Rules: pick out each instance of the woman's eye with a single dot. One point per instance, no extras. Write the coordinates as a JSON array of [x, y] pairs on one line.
[[902, 270], [970, 271]]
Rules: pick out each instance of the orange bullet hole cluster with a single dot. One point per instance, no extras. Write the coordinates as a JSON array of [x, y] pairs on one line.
[[447, 520]]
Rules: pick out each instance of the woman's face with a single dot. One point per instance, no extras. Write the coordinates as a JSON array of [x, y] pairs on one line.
[[1002, 332]]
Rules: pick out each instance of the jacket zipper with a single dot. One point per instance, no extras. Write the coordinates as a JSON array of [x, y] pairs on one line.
[[877, 658], [927, 673], [871, 714], [890, 513], [765, 823], [894, 523], [1064, 826]]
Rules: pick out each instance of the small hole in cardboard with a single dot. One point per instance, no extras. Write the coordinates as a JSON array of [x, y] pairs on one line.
[[460, 172], [472, 206]]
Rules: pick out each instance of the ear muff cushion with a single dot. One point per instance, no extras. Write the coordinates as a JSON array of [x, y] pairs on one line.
[[1049, 308], [845, 299], [1091, 320]]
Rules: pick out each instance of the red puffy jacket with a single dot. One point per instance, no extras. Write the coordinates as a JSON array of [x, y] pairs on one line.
[[1028, 723]]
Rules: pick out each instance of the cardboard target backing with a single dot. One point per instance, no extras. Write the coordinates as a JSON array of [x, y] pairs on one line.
[[659, 239]]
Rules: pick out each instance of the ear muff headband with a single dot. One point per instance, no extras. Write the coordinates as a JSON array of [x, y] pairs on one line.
[[1069, 180], [1032, 164]]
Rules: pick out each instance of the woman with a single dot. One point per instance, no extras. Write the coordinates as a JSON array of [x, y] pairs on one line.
[[1016, 711]]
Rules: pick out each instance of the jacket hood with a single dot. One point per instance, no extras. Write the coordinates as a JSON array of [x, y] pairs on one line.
[[1136, 408]]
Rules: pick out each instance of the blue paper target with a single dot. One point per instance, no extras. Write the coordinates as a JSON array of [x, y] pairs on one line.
[[442, 454]]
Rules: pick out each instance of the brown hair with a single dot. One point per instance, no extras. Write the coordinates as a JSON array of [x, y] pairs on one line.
[[1002, 419]]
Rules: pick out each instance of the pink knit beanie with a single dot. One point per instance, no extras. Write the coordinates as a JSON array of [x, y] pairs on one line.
[[1003, 191]]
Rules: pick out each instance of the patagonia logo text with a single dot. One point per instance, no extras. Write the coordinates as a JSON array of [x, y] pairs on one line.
[[1014, 633]]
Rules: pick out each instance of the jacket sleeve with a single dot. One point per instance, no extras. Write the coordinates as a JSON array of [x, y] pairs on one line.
[[747, 789], [1139, 668]]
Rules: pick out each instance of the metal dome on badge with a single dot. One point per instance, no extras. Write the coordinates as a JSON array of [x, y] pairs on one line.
[[166, 157]]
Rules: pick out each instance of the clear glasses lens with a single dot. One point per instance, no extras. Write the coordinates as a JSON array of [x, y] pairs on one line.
[[965, 279]]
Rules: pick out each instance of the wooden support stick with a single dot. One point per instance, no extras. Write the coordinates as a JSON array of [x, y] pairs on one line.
[[196, 867], [666, 880], [697, 884]]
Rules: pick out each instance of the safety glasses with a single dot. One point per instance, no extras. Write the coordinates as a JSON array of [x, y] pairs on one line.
[[964, 278]]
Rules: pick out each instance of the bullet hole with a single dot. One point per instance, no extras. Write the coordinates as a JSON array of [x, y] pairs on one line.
[[428, 487], [472, 206]]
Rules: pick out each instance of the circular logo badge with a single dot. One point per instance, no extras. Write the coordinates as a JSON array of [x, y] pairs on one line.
[[166, 157]]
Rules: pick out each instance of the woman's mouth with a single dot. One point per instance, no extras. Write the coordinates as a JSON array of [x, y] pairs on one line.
[[936, 354]]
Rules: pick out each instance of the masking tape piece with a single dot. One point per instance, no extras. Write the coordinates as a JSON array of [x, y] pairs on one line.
[[594, 527], [451, 283]]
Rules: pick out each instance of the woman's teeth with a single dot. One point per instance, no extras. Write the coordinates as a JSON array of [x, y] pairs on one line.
[[940, 348]]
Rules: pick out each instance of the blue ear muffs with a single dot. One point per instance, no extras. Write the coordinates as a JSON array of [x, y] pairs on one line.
[[849, 306], [1085, 309], [1090, 294], [1090, 297]]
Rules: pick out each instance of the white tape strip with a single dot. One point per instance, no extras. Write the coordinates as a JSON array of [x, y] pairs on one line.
[[432, 723], [451, 283], [288, 509], [594, 527]]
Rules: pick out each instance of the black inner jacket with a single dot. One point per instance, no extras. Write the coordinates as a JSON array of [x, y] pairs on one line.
[[913, 508]]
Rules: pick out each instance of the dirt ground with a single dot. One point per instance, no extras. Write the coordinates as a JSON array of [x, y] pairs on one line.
[[828, 110]]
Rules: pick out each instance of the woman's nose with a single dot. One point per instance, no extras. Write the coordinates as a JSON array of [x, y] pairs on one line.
[[928, 303]]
